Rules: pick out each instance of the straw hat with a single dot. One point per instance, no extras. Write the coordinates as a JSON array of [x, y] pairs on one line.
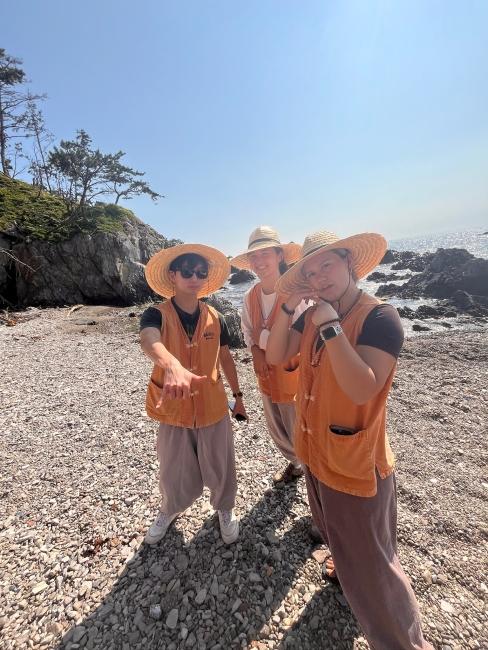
[[266, 237], [367, 250], [157, 269]]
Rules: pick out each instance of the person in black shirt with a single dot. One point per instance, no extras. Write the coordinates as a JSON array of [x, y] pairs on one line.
[[188, 341]]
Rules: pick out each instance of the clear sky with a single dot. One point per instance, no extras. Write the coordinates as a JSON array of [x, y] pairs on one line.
[[348, 115]]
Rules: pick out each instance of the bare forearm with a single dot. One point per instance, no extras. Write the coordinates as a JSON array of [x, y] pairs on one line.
[[353, 375], [230, 371], [277, 348], [153, 348]]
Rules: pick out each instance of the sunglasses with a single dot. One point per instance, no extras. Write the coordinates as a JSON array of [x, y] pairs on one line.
[[199, 273]]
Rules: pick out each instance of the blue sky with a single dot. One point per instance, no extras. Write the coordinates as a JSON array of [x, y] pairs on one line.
[[344, 115]]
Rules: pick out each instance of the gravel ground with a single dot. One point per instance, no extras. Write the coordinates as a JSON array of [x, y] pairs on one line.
[[78, 483]]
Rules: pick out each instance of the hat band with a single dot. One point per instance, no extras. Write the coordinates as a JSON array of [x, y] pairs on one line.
[[316, 248], [268, 239]]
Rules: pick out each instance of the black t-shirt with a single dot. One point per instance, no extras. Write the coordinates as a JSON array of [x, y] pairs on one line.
[[152, 317], [382, 329]]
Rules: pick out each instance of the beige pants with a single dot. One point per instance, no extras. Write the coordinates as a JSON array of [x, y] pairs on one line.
[[192, 458], [361, 535], [280, 419]]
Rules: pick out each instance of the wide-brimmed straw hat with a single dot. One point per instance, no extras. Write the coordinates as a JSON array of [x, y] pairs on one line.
[[367, 250], [159, 279], [266, 237]]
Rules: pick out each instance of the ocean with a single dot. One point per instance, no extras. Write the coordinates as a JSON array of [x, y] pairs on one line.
[[473, 241]]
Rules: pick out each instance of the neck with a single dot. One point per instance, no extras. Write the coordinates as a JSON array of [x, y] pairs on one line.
[[268, 284], [186, 302], [345, 303]]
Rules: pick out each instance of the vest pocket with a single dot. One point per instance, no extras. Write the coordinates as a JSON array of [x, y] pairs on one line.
[[350, 455]]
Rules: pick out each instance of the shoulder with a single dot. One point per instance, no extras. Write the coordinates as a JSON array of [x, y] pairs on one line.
[[151, 317], [383, 329]]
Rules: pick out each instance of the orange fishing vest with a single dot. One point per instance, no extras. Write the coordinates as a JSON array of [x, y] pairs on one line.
[[208, 404], [346, 463], [280, 385]]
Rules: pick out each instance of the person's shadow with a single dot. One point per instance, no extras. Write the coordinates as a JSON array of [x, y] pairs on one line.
[[206, 595]]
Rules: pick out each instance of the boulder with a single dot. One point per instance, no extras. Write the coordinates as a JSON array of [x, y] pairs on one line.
[[243, 275], [389, 257], [412, 261], [232, 318]]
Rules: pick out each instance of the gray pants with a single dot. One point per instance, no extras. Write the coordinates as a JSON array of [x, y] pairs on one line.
[[280, 419], [192, 458], [361, 535]]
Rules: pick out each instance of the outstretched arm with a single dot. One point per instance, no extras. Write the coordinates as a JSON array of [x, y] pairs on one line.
[[178, 381]]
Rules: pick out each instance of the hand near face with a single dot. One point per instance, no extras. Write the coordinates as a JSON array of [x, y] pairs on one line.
[[323, 313]]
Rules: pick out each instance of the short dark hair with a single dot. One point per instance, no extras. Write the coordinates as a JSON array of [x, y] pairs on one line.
[[188, 259]]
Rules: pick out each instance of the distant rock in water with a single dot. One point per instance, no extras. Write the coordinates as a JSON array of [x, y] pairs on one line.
[[452, 275], [102, 268], [389, 257], [242, 275], [377, 276]]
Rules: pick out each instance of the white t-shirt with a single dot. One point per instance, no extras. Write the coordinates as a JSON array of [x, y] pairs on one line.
[[267, 304]]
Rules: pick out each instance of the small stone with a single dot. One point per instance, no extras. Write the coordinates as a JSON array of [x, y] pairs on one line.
[[236, 605], [427, 576], [341, 600], [271, 537], [130, 500], [78, 633], [155, 612], [41, 586], [254, 577], [314, 622], [320, 555], [200, 597], [447, 607], [172, 619]]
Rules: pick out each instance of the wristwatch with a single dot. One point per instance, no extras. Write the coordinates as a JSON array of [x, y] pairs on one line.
[[330, 332]]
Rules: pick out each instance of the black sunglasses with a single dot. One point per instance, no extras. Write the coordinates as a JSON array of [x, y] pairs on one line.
[[188, 273]]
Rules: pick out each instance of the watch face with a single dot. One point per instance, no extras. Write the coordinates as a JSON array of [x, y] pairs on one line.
[[329, 332]]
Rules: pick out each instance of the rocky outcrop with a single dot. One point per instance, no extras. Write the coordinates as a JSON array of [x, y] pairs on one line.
[[99, 268], [448, 271], [454, 277], [240, 276], [232, 318], [377, 276]]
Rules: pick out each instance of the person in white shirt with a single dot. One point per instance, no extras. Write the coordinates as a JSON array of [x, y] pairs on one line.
[[268, 258]]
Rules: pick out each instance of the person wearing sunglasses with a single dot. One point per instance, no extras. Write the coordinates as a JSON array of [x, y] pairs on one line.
[[188, 342]]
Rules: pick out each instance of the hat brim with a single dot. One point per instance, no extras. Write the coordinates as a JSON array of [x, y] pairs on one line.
[[158, 274], [367, 250], [291, 253]]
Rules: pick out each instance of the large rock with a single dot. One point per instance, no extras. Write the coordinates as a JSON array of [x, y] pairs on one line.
[[232, 318], [448, 271], [243, 275], [100, 268]]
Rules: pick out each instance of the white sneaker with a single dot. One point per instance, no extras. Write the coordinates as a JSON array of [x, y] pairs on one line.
[[159, 527], [229, 526]]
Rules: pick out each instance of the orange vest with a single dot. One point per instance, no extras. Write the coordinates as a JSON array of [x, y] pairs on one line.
[[280, 385], [345, 463], [208, 404]]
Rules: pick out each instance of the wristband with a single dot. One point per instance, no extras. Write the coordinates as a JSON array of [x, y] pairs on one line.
[[238, 394], [288, 311], [328, 322]]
